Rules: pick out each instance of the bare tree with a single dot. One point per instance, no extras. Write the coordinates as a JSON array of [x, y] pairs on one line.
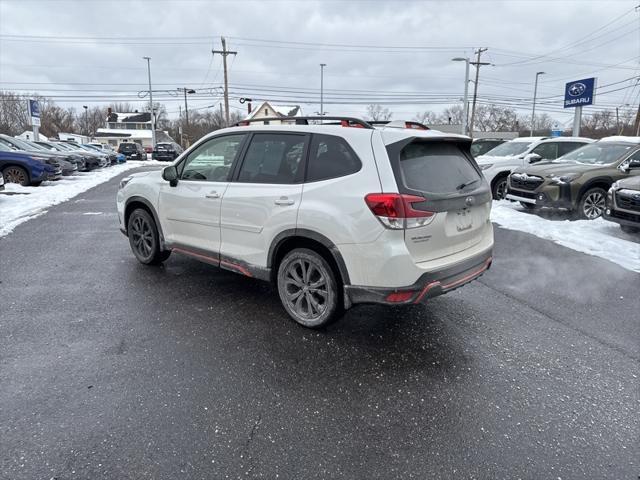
[[377, 112], [426, 118]]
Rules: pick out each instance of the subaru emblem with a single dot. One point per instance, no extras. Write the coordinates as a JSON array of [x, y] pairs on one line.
[[577, 89], [469, 201]]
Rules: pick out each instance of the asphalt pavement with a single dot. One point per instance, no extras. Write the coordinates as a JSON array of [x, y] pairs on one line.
[[110, 369]]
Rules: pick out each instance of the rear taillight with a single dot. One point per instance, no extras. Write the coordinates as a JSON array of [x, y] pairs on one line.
[[395, 210]]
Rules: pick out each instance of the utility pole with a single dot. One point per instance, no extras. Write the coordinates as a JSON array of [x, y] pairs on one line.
[[533, 111], [637, 124], [224, 52], [153, 120], [477, 64], [322, 65], [465, 106]]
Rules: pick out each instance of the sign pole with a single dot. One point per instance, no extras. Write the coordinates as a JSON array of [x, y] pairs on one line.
[[36, 133], [577, 119]]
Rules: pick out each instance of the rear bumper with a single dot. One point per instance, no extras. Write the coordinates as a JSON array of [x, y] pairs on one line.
[[429, 285]]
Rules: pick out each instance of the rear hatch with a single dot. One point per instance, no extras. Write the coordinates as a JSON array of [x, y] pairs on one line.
[[442, 171]]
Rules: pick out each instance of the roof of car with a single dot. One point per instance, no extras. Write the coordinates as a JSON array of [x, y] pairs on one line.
[[621, 138], [568, 139], [528, 139]]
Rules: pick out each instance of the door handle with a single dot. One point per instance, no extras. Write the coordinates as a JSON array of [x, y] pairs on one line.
[[284, 201], [212, 195]]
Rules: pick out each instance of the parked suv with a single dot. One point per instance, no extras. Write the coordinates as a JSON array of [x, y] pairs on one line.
[[579, 180], [132, 151], [482, 146], [166, 151], [623, 202], [333, 215], [499, 162]]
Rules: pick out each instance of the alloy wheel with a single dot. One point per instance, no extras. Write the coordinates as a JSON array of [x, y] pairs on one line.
[[15, 175], [142, 236], [501, 189], [593, 205], [306, 289]]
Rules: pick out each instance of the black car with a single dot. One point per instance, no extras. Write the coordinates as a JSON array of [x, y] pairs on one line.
[[481, 146], [623, 203], [87, 163], [166, 151], [132, 150]]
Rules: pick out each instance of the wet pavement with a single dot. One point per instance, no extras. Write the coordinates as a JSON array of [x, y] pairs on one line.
[[110, 369]]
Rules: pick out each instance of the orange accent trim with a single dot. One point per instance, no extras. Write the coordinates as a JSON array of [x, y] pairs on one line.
[[194, 254], [237, 267], [460, 281]]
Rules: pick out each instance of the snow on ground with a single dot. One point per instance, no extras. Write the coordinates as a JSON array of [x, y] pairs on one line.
[[599, 237], [26, 203]]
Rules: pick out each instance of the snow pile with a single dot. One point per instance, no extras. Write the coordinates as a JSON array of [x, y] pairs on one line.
[[25, 203], [599, 237]]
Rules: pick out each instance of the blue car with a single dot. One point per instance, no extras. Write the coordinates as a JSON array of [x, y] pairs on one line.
[[26, 168]]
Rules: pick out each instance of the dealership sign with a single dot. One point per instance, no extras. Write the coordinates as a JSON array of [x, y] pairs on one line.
[[34, 113], [580, 93]]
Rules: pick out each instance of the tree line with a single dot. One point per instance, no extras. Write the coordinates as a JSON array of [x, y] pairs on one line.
[[55, 119]]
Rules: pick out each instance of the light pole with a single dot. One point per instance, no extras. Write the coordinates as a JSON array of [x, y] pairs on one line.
[[153, 122], [465, 106], [86, 119], [533, 111], [186, 108], [322, 65]]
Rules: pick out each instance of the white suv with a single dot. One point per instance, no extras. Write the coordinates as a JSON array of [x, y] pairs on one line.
[[333, 214], [500, 161]]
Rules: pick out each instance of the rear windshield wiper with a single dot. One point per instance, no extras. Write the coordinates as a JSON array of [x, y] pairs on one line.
[[466, 184]]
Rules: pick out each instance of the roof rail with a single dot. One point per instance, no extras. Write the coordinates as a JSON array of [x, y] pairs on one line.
[[344, 121], [401, 124]]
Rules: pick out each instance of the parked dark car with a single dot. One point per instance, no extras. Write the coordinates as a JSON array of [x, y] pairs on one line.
[[166, 151], [92, 160], [481, 146], [68, 164], [579, 180], [53, 159], [85, 163], [74, 158], [25, 168], [132, 150], [111, 156], [623, 202]]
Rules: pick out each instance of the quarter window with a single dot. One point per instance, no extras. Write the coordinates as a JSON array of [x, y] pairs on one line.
[[331, 157], [566, 147], [273, 158], [212, 160], [548, 151]]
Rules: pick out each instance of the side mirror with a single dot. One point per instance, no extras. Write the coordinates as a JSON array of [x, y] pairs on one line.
[[532, 158], [170, 174], [633, 164]]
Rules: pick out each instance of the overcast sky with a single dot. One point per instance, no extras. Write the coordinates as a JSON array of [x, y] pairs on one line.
[[90, 52]]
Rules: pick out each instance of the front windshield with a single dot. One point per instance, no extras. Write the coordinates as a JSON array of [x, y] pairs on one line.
[[22, 145], [4, 148], [508, 148], [597, 153], [63, 146], [36, 146]]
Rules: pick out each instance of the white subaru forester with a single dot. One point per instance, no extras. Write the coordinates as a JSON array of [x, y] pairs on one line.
[[333, 214]]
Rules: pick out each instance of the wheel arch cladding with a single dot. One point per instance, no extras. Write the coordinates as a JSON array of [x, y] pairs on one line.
[[598, 182], [140, 202], [288, 240]]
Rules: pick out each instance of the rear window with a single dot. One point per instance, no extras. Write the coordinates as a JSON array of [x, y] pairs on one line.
[[436, 168], [127, 147]]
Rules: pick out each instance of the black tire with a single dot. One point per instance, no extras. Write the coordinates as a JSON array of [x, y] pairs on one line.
[[592, 203], [529, 206], [36, 184], [630, 229], [499, 187], [144, 239], [15, 174], [309, 289]]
